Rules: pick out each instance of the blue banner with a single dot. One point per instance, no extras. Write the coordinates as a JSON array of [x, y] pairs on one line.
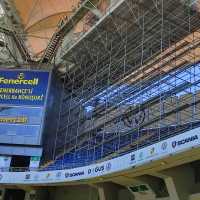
[[20, 87], [22, 105]]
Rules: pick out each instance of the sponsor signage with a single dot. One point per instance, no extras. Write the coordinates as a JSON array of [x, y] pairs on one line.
[[21, 87], [108, 166], [27, 176], [186, 140], [34, 162], [99, 169], [141, 155], [164, 146], [48, 175], [58, 174], [23, 97], [74, 174], [4, 162], [156, 151], [36, 176]]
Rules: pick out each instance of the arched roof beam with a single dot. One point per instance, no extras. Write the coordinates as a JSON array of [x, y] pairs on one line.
[[47, 18]]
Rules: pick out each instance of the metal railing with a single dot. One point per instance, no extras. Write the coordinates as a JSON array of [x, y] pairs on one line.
[[70, 165]]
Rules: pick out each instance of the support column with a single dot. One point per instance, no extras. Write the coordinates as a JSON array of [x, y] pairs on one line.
[[39, 194], [171, 188], [108, 191], [2, 193], [101, 193], [179, 181]]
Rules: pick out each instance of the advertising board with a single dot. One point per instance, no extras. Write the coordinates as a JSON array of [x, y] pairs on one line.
[[185, 141], [23, 97], [19, 87]]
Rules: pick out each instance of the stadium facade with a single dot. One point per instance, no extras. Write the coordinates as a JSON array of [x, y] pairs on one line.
[[110, 110]]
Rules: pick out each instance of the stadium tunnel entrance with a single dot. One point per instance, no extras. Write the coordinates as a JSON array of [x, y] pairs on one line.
[[20, 161], [14, 194]]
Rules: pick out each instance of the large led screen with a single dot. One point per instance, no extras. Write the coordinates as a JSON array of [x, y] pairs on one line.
[[22, 105]]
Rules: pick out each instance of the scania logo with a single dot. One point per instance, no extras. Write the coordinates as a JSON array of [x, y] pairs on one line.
[[184, 141], [174, 144], [74, 174]]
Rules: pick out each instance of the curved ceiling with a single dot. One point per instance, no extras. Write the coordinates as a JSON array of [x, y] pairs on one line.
[[40, 18]]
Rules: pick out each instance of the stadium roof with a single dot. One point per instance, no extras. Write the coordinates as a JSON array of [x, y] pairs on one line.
[[39, 19]]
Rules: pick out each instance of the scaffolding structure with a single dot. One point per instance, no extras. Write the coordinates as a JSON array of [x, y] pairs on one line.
[[135, 81]]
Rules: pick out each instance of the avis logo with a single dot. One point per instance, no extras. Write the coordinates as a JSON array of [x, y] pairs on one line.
[[184, 141]]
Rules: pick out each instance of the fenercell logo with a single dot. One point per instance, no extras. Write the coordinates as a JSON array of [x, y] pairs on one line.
[[20, 80], [184, 141]]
